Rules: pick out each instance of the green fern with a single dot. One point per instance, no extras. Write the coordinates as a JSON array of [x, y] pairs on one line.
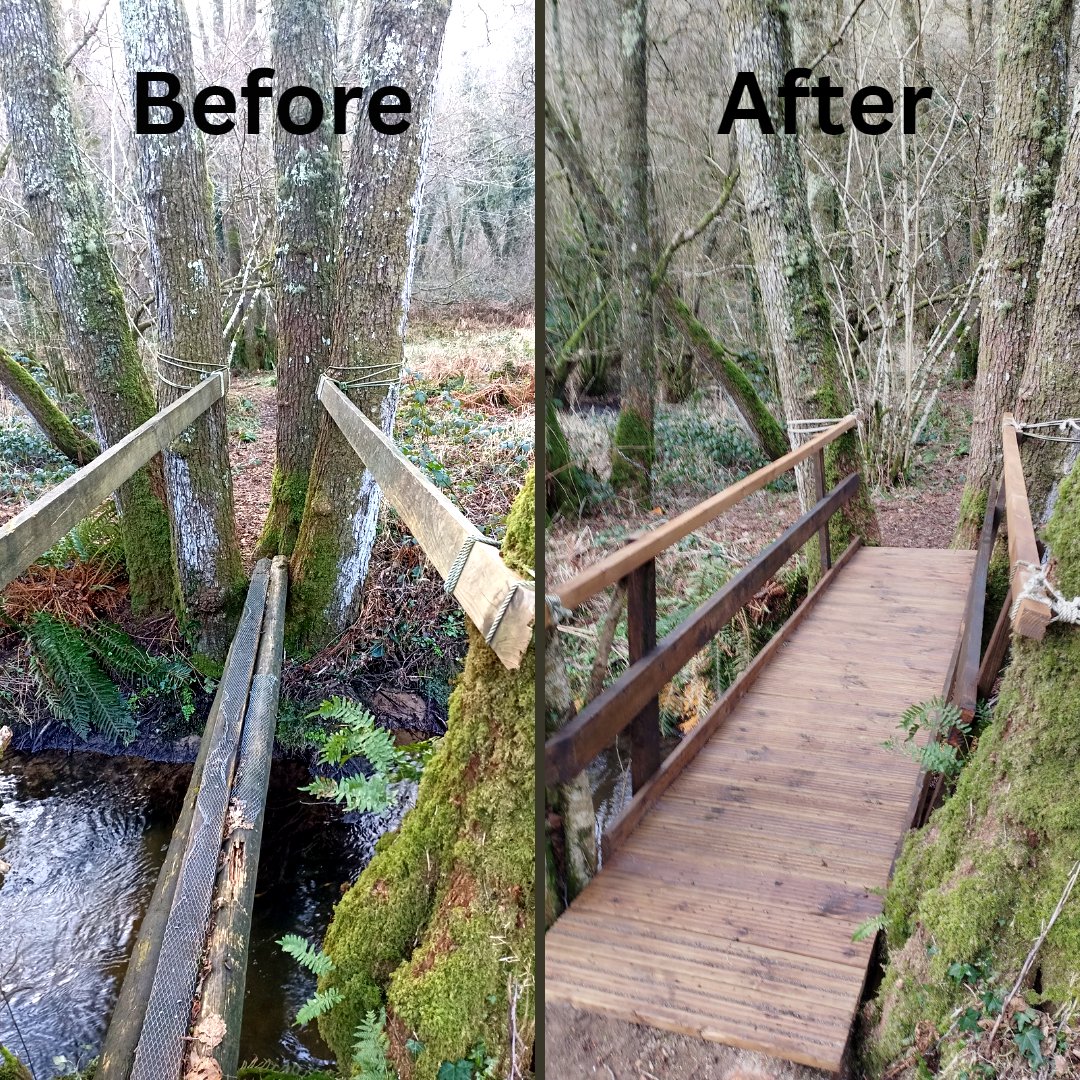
[[73, 684], [319, 1005], [95, 539], [358, 736], [306, 955], [371, 1047], [938, 718]]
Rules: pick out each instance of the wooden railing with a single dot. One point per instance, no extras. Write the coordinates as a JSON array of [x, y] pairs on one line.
[[1032, 616], [30, 534], [501, 604], [632, 701]]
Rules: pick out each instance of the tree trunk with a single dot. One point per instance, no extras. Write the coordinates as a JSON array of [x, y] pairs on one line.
[[403, 42], [308, 169], [1029, 133], [78, 448], [786, 261], [440, 925], [633, 447], [1050, 385], [175, 192], [62, 205]]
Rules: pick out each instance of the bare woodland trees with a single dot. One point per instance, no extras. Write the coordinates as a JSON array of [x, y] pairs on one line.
[[174, 189], [64, 209], [786, 257], [402, 43], [308, 171], [1029, 133]]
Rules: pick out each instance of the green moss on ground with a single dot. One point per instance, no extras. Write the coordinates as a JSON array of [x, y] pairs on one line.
[[439, 926], [564, 482], [11, 1068], [288, 493], [633, 452]]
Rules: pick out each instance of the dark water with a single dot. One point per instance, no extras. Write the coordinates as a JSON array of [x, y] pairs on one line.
[[85, 836]]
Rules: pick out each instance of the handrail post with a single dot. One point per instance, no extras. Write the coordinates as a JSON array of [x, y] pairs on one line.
[[641, 639], [823, 535]]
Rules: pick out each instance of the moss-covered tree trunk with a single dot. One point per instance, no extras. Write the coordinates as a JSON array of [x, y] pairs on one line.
[[402, 46], [979, 882], [77, 447], [633, 443], [63, 207], [1050, 385], [174, 189], [308, 170], [786, 258], [1030, 112], [439, 927]]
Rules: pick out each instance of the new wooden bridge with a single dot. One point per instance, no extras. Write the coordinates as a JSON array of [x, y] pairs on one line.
[[733, 882], [181, 1002]]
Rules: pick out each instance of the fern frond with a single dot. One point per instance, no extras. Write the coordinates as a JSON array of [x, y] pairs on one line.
[[314, 960], [371, 1047], [319, 1005], [365, 794]]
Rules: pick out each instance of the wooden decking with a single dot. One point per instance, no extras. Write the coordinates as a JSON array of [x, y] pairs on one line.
[[729, 911]]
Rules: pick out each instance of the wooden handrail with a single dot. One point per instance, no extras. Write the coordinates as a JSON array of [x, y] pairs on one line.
[[596, 726], [30, 534], [485, 583], [1031, 617], [614, 567]]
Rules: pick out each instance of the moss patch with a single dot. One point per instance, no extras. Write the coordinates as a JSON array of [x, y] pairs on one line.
[[632, 454], [439, 926], [288, 493]]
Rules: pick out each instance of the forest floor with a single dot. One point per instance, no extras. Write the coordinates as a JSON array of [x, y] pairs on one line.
[[699, 452], [466, 417]]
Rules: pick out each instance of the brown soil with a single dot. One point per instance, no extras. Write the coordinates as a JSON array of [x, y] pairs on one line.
[[253, 461], [580, 1046]]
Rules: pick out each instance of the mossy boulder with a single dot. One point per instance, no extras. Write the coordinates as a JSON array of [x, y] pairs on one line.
[[439, 927], [11, 1068]]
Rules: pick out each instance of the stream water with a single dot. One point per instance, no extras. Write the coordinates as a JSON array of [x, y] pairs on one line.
[[84, 836]]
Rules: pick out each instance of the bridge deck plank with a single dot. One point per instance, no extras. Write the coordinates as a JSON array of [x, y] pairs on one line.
[[728, 913]]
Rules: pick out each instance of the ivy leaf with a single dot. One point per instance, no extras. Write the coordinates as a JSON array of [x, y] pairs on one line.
[[456, 1070], [1029, 1042], [970, 1020]]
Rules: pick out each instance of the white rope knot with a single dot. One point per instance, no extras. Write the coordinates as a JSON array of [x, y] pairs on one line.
[[1038, 587], [1067, 426], [453, 576]]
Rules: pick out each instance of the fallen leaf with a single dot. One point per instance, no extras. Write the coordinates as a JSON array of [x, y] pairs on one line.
[[202, 1068], [210, 1030]]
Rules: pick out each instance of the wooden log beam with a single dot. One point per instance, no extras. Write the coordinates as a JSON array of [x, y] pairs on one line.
[[571, 749], [222, 997], [30, 534], [619, 564], [688, 748], [126, 1023], [441, 529], [1032, 616]]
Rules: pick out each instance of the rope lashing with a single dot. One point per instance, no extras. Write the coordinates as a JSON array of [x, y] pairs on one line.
[[1038, 587], [453, 576], [1068, 426], [557, 611], [504, 607], [368, 375], [800, 429], [200, 368]]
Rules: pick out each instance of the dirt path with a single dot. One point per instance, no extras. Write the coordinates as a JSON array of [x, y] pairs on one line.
[[252, 440]]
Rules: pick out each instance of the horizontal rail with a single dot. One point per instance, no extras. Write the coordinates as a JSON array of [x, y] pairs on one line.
[[30, 534], [966, 692], [618, 564], [1031, 616], [596, 726], [486, 585]]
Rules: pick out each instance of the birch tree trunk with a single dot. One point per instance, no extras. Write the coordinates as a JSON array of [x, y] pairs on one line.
[[1029, 132], [633, 447], [786, 259], [308, 169], [402, 41], [63, 206], [175, 194]]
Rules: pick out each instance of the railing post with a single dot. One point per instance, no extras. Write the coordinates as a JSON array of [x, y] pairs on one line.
[[823, 536], [641, 639]]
